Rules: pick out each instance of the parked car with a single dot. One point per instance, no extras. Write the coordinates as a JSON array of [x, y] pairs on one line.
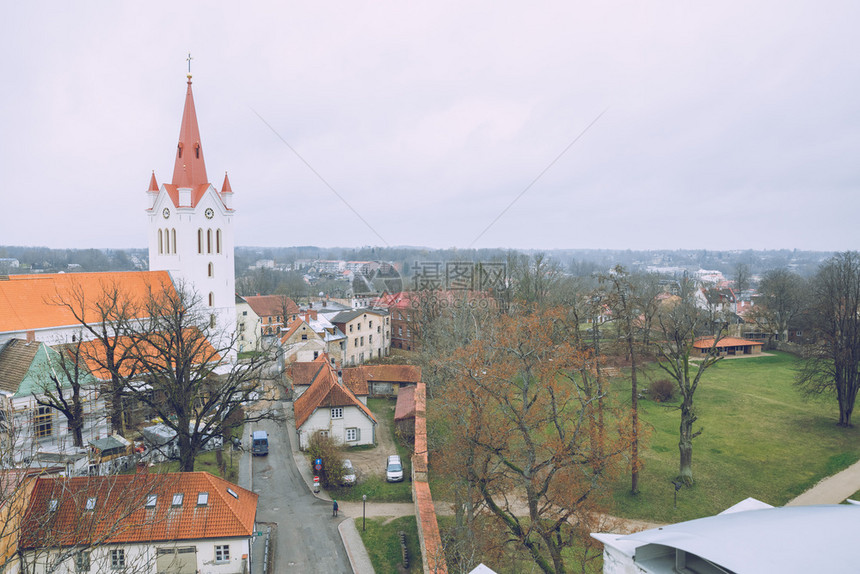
[[348, 473], [394, 469]]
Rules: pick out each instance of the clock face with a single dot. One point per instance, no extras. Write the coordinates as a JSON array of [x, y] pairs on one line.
[[165, 213], [209, 213]]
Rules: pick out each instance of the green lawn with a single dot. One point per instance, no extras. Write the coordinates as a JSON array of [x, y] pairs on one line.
[[759, 439], [382, 540]]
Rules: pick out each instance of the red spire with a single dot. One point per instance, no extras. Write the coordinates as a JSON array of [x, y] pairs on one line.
[[226, 187], [153, 185], [189, 169]]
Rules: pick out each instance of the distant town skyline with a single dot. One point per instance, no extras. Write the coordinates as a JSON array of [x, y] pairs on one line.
[[475, 124]]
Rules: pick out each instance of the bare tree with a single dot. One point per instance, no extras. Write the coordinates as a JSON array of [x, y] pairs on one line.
[[742, 277], [782, 300], [623, 300], [102, 315], [63, 390], [185, 377], [681, 325], [832, 361], [522, 434]]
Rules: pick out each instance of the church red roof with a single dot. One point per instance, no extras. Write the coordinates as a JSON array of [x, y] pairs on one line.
[[189, 170]]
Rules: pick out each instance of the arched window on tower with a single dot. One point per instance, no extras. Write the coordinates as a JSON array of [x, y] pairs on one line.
[[211, 299], [211, 270], [167, 241], [218, 241], [200, 241], [173, 238], [208, 241], [160, 243]]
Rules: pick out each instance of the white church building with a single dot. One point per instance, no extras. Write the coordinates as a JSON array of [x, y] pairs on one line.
[[191, 226]]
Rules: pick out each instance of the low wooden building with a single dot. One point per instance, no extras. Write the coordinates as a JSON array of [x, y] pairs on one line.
[[729, 346]]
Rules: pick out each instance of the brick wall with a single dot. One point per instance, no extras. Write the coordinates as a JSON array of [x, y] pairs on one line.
[[432, 552]]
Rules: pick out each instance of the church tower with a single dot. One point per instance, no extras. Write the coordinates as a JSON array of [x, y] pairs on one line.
[[191, 227]]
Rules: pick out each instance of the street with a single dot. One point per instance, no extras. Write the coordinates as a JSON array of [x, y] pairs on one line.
[[306, 538]]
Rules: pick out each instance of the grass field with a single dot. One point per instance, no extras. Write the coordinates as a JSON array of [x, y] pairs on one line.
[[383, 543], [760, 438]]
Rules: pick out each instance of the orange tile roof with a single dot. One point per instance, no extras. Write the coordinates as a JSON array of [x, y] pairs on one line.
[[360, 377], [26, 301], [304, 372], [326, 391], [120, 515], [272, 305], [94, 353], [708, 342]]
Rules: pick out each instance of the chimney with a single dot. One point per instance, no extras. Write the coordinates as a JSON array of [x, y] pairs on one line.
[[340, 378]]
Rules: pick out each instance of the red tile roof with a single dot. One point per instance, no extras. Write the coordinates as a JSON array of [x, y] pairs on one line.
[[325, 391], [708, 342], [272, 305], [189, 170], [383, 374], [405, 408], [120, 516], [26, 301], [304, 372]]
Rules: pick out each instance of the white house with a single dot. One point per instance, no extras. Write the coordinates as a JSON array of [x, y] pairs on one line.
[[368, 334], [330, 408], [182, 523]]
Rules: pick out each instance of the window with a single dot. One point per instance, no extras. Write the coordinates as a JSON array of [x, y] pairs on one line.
[[202, 498], [350, 328], [218, 241], [211, 270], [151, 500], [378, 329], [91, 503], [200, 241], [43, 422], [304, 336], [173, 238], [355, 342], [177, 499], [362, 341], [232, 493], [211, 299], [160, 243], [167, 241], [370, 324], [337, 412], [82, 561], [222, 553], [316, 354], [53, 504], [352, 434], [117, 559], [208, 241], [370, 339]]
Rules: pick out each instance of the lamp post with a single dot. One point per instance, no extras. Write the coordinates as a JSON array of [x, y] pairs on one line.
[[363, 507]]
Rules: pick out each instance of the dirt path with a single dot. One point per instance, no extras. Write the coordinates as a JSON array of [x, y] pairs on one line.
[[372, 462]]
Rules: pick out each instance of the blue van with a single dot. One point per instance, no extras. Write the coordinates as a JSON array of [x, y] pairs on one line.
[[260, 443]]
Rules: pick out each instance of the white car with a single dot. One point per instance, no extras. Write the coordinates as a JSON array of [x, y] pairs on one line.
[[394, 469], [348, 478]]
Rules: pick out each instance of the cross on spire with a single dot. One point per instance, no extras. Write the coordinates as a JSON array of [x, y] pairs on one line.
[[188, 59]]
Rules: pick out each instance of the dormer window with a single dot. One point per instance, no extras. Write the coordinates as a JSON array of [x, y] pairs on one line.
[[179, 147], [197, 150]]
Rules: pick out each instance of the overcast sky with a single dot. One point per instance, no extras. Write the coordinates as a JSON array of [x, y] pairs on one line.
[[733, 126]]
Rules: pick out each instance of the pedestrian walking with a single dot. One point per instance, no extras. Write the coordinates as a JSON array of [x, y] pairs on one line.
[[334, 508]]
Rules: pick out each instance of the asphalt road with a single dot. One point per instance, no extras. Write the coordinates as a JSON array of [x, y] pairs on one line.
[[306, 538]]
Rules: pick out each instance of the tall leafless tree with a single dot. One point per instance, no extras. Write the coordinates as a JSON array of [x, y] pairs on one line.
[[832, 361]]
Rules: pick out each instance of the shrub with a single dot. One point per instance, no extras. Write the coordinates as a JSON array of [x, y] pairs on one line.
[[661, 391], [327, 449]]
